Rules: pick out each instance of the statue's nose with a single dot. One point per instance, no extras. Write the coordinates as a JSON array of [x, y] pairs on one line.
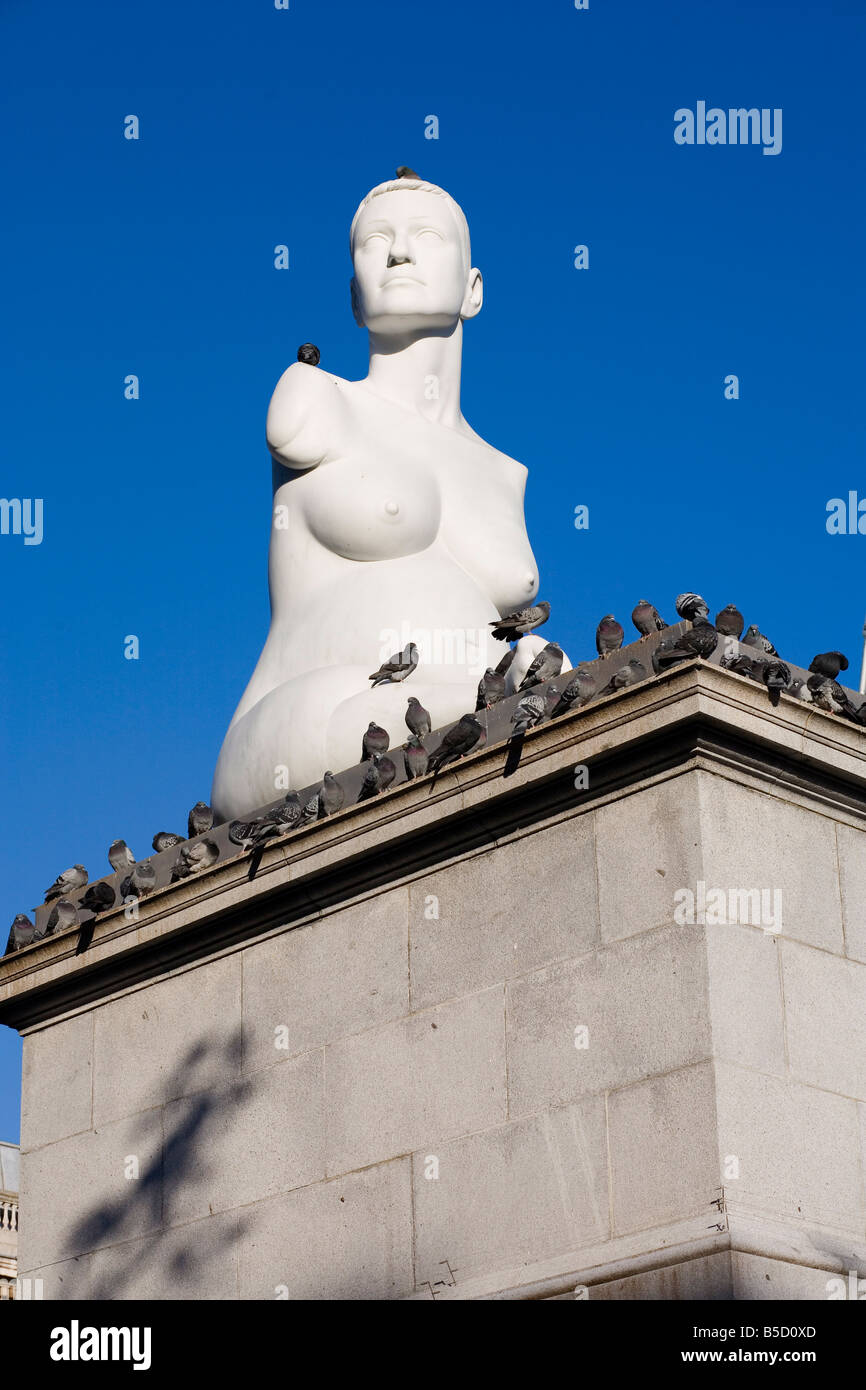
[[399, 255]]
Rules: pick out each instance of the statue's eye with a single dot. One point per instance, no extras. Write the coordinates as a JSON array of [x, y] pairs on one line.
[[429, 231], [374, 236]]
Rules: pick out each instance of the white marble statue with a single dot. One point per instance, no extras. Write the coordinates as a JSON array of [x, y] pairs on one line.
[[393, 520]]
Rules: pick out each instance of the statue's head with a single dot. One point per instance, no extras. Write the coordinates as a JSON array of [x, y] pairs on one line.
[[410, 251]]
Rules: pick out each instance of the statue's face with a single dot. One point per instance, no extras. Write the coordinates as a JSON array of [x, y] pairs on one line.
[[410, 272]]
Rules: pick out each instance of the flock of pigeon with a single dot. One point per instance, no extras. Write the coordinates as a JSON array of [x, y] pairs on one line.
[[760, 663]]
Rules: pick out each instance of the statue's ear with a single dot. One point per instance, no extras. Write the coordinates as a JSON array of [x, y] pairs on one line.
[[356, 302], [474, 296]]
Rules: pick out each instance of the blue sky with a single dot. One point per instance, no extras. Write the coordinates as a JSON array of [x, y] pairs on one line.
[[260, 127]]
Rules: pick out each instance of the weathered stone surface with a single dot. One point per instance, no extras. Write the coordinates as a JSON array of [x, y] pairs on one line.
[[797, 1148], [664, 1158], [749, 842], [512, 1194], [643, 1001], [344, 973], [825, 1008], [350, 1238], [851, 851], [429, 1077], [65, 1215], [648, 847], [251, 1139], [708, 1278], [178, 1036], [463, 949], [745, 997], [198, 1261], [56, 1082]]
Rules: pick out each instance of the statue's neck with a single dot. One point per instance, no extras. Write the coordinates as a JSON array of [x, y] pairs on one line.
[[422, 373]]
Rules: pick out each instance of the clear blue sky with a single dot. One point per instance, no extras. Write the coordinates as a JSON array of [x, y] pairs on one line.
[[261, 127]]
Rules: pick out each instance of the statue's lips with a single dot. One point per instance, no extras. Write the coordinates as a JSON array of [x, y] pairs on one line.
[[401, 280]]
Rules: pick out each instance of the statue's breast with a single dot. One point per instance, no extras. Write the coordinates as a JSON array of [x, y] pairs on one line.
[[371, 511]]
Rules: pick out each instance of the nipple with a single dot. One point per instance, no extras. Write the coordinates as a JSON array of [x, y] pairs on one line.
[[392, 507]]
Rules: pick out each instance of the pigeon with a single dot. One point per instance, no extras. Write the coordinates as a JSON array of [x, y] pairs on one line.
[[544, 667], [646, 618], [755, 638], [579, 690], [140, 882], [502, 668], [193, 858], [743, 666], [776, 677], [404, 172], [828, 695], [165, 839], [199, 820], [309, 353], [629, 674], [491, 689], [331, 795], [99, 898], [700, 640], [521, 621], [692, 607], [397, 667], [800, 691], [63, 914], [311, 810], [375, 740], [829, 664], [21, 933], [120, 856], [67, 882], [417, 718], [730, 622], [608, 635], [283, 818], [458, 741], [529, 712], [378, 777], [415, 758]]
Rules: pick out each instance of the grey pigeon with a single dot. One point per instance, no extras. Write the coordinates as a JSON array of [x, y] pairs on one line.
[[311, 810], [491, 689], [730, 621], [776, 677], [828, 695], [629, 674], [375, 740], [120, 856], [466, 734], [744, 666], [829, 664], [99, 898], [800, 691], [200, 819], [404, 172], [521, 621], [193, 858], [755, 638], [417, 718], [67, 882], [692, 607], [608, 635], [378, 777], [504, 664], [415, 758], [545, 667], [309, 353], [397, 667], [580, 689], [646, 618], [332, 796], [21, 933], [700, 640], [63, 915], [283, 818], [140, 882], [530, 711], [166, 839]]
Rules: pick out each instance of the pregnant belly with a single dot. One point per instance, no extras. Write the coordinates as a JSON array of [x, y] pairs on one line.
[[371, 513]]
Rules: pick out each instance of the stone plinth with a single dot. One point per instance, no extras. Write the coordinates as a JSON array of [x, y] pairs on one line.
[[464, 1042]]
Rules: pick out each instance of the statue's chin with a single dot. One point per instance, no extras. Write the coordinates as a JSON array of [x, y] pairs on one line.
[[406, 325]]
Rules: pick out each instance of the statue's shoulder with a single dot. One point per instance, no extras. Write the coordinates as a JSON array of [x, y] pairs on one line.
[[305, 399]]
